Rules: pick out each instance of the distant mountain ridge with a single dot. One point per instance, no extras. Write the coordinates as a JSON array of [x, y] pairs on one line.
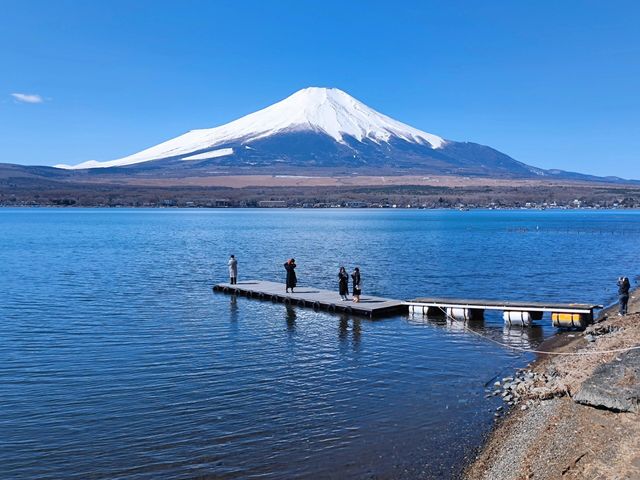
[[317, 131]]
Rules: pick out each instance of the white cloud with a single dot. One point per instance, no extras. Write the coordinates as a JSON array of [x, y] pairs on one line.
[[27, 98]]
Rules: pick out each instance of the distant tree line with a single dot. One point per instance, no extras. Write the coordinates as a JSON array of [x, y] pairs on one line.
[[37, 192]]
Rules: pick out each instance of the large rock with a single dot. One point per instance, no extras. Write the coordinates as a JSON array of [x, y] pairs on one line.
[[614, 385]]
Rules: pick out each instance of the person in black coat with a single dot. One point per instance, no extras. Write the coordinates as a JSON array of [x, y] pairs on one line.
[[355, 276], [292, 280], [623, 294], [343, 283]]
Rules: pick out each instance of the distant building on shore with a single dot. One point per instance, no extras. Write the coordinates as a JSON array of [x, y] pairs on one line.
[[272, 204], [356, 204]]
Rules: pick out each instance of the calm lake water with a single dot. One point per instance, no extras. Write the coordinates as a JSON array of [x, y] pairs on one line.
[[117, 360]]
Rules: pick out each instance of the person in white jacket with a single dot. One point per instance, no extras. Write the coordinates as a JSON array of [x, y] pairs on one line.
[[233, 270]]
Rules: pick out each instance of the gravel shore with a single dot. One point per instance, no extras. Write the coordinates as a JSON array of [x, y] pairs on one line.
[[572, 416]]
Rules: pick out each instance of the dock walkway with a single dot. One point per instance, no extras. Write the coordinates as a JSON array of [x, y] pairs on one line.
[[523, 313], [315, 298], [520, 313], [505, 305]]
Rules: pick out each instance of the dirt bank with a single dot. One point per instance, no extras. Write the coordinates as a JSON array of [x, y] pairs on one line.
[[548, 433]]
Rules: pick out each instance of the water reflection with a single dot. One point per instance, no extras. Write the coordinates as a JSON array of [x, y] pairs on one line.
[[355, 331], [234, 325], [448, 323], [290, 317], [343, 331], [528, 337], [523, 337], [233, 308]]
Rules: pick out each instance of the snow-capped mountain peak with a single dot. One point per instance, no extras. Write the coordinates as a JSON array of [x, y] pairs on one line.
[[335, 113], [328, 111]]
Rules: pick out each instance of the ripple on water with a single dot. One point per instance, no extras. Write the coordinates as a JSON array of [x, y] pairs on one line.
[[117, 361]]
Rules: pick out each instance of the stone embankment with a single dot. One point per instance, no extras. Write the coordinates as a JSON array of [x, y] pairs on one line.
[[575, 412]]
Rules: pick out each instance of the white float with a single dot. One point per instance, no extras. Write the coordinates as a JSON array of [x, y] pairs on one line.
[[459, 313], [512, 317]]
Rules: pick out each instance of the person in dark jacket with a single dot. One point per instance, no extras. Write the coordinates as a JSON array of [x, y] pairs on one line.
[[623, 294], [355, 277], [343, 283], [292, 280]]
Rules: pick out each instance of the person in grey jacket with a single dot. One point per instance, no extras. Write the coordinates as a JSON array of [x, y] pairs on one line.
[[233, 270], [623, 294]]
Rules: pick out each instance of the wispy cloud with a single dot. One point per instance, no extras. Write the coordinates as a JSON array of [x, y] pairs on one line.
[[27, 98]]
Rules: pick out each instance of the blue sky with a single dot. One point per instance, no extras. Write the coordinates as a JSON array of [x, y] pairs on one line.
[[553, 84]]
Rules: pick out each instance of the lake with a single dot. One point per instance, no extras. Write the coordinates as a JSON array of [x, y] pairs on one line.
[[118, 361]]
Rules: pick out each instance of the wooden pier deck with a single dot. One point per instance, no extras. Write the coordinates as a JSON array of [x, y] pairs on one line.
[[316, 298]]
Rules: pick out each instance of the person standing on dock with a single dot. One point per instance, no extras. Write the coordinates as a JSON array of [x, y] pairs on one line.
[[343, 283], [355, 276], [623, 294], [292, 280], [233, 270]]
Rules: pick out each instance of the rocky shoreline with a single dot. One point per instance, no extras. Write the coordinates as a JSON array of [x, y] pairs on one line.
[[573, 413]]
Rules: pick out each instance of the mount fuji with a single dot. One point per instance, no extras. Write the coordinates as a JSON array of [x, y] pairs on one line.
[[316, 130]]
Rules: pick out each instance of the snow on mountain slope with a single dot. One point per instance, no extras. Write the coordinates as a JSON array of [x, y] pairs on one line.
[[221, 152], [321, 110]]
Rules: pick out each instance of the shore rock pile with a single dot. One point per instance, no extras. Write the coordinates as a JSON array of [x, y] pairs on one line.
[[527, 388], [599, 329]]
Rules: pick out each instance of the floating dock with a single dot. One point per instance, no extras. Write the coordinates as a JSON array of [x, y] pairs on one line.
[[316, 298], [518, 313], [514, 313]]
